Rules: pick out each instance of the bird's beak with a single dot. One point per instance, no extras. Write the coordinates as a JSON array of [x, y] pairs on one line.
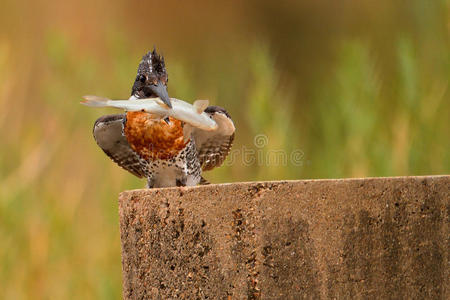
[[161, 91]]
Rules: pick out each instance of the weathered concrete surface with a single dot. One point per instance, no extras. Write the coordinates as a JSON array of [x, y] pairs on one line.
[[385, 238]]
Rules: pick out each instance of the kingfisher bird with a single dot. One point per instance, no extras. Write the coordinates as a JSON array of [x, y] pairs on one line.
[[165, 151]]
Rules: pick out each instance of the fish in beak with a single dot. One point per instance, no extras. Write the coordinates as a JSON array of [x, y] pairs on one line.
[[161, 91]]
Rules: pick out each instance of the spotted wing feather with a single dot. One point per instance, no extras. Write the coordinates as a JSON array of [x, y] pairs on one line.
[[108, 133], [214, 146]]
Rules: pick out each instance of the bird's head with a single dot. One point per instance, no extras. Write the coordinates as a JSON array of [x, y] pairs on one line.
[[151, 80]]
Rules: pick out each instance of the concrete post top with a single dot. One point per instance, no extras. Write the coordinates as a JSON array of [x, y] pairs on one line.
[[343, 238], [378, 180]]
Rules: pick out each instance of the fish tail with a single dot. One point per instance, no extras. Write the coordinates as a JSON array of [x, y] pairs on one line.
[[94, 101]]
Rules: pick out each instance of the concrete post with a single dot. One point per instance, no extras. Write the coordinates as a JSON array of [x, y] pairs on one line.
[[376, 238]]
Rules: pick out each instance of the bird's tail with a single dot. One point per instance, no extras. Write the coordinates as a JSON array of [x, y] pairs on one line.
[[203, 181], [95, 101]]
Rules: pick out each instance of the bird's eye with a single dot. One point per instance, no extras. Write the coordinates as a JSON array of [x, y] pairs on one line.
[[142, 78]]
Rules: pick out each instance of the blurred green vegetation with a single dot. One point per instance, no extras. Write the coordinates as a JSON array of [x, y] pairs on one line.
[[357, 89]]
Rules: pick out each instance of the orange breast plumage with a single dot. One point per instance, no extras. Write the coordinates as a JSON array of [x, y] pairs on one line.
[[152, 138]]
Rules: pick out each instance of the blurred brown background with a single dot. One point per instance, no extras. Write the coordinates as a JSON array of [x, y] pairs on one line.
[[343, 88]]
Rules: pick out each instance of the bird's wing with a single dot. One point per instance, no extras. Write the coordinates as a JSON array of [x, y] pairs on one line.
[[214, 146], [108, 134]]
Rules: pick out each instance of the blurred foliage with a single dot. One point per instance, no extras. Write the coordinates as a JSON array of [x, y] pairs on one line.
[[355, 88]]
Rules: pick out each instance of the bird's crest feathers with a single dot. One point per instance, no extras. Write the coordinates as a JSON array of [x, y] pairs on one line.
[[152, 62]]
